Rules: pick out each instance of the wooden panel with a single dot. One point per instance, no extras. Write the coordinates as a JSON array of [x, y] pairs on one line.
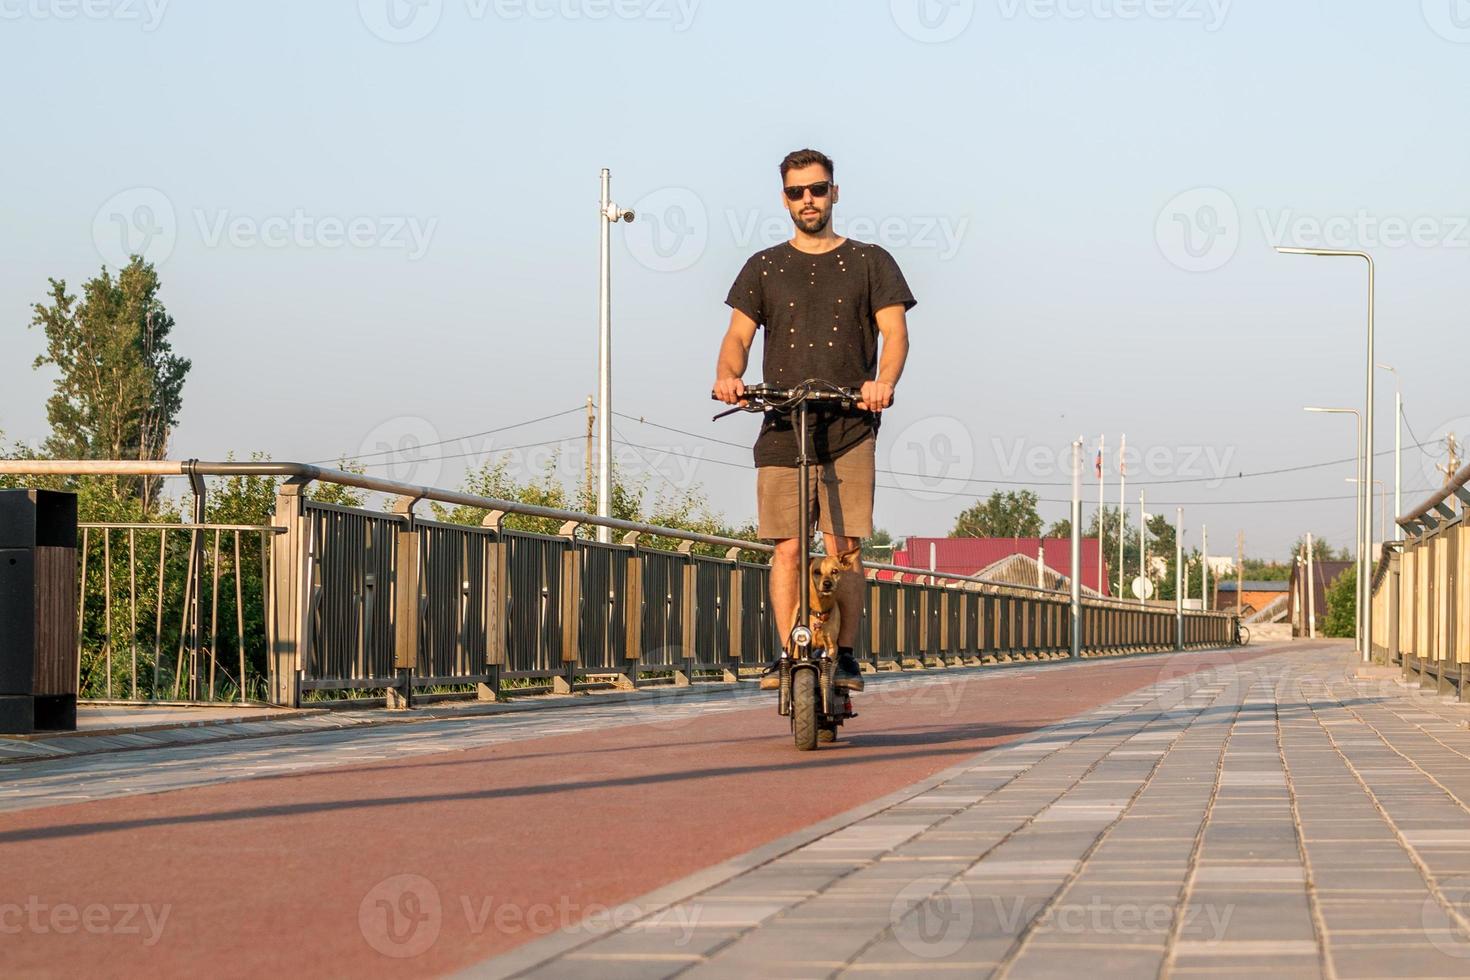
[[56, 621]]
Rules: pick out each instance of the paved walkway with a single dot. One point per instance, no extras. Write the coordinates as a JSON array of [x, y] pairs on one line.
[[1273, 817], [1251, 811]]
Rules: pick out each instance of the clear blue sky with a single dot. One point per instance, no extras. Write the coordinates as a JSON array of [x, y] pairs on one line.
[[1023, 159]]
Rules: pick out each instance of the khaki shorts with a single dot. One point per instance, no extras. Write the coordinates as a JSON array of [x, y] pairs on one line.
[[841, 496]]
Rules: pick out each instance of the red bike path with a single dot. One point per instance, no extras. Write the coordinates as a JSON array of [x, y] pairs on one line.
[[293, 873]]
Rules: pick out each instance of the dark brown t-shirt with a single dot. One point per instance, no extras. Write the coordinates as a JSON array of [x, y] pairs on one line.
[[818, 314]]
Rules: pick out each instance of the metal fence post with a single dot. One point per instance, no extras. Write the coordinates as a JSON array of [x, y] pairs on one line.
[[496, 589], [289, 618], [633, 607], [407, 615]]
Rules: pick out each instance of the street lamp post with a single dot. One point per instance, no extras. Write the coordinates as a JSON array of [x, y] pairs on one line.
[[1398, 449], [1358, 562], [609, 214], [1365, 617], [1382, 492]]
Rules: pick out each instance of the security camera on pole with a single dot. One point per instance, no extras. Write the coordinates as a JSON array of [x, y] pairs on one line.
[[609, 214]]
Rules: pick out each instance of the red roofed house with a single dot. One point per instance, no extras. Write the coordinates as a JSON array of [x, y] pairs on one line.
[[973, 556]]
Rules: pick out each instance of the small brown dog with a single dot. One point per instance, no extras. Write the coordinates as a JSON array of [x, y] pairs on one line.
[[826, 615]]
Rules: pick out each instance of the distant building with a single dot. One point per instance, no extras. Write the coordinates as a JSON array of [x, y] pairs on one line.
[[1255, 595], [974, 556]]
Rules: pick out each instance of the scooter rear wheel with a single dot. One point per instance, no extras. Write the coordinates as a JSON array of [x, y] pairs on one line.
[[804, 709]]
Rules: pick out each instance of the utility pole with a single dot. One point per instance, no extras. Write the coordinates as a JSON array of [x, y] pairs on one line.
[[591, 421], [1179, 579], [1122, 503], [1240, 574], [1102, 499], [1204, 567], [1142, 550], [1076, 583], [1311, 592], [1451, 466]]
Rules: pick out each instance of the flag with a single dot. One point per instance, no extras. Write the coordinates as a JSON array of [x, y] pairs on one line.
[[1098, 464]]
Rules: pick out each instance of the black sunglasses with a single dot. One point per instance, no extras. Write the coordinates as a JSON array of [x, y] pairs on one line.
[[820, 189]]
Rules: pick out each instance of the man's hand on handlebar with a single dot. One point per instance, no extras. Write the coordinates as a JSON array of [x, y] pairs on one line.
[[876, 396], [729, 390]]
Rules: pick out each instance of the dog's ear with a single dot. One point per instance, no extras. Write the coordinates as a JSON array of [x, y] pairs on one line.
[[848, 560]]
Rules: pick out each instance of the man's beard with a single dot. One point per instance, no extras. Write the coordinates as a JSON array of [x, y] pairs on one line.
[[814, 225]]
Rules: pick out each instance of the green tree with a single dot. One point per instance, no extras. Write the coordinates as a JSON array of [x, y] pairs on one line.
[[879, 546], [1342, 605], [1321, 550], [119, 385], [1008, 514]]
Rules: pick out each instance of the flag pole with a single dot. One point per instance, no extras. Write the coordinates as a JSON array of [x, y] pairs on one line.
[[1102, 500], [1122, 498]]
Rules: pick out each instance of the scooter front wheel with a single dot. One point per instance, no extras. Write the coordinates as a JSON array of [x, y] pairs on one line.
[[804, 709]]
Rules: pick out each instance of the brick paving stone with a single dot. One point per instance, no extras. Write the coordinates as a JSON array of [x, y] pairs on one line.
[[1273, 817]]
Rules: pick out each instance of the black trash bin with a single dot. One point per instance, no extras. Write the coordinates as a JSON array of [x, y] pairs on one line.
[[38, 611]]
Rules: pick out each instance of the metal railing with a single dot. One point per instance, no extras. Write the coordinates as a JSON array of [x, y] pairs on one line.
[[1420, 608], [172, 612], [392, 604]]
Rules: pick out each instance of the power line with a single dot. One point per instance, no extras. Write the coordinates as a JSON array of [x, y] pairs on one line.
[[1042, 500], [1039, 483], [443, 442], [502, 449]]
